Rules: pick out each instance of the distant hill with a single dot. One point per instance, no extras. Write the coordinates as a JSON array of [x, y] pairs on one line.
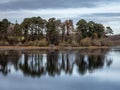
[[115, 37]]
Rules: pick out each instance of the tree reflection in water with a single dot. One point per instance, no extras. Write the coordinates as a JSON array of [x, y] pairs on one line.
[[6, 59], [52, 63]]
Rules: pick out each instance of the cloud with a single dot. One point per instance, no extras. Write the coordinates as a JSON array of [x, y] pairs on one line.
[[40, 4], [107, 14], [102, 11], [44, 4]]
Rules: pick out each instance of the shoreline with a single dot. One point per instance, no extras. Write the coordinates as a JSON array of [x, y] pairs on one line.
[[50, 48]]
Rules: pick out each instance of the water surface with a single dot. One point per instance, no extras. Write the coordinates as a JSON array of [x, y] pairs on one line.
[[85, 69]]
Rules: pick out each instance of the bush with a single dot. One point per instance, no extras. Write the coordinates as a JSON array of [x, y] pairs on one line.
[[19, 44], [63, 44], [29, 43], [74, 44], [105, 42], [39, 43], [4, 43], [85, 42], [96, 42]]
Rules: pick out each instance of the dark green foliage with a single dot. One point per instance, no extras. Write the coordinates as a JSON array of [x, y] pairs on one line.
[[3, 29], [33, 28], [99, 29], [82, 27], [90, 29], [53, 26]]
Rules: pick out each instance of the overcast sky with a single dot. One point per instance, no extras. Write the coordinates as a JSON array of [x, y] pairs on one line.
[[106, 12]]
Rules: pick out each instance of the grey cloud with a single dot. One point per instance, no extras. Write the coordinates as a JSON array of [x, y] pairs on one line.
[[103, 15], [107, 14], [43, 4]]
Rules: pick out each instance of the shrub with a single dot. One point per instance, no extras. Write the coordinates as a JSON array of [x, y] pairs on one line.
[[29, 43], [39, 43], [4, 43], [42, 42], [19, 44], [63, 44], [74, 44], [85, 42], [105, 42], [96, 42]]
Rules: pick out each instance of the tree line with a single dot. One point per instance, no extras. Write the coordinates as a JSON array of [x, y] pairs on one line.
[[53, 31]]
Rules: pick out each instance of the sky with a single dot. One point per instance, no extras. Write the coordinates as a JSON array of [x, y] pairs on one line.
[[106, 12]]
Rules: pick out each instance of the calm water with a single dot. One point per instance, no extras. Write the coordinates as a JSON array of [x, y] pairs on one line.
[[97, 69]]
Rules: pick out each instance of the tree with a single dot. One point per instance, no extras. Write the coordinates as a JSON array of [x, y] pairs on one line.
[[4, 24], [17, 30], [109, 30], [99, 30], [25, 26], [82, 27], [53, 28], [63, 31], [38, 27], [91, 28], [17, 33], [68, 28], [33, 28]]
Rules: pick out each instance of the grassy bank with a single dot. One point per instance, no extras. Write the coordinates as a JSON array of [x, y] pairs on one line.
[[47, 48]]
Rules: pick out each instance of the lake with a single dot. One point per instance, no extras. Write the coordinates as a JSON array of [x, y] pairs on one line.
[[84, 69]]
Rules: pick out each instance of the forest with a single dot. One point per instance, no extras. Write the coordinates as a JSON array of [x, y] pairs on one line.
[[36, 31]]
